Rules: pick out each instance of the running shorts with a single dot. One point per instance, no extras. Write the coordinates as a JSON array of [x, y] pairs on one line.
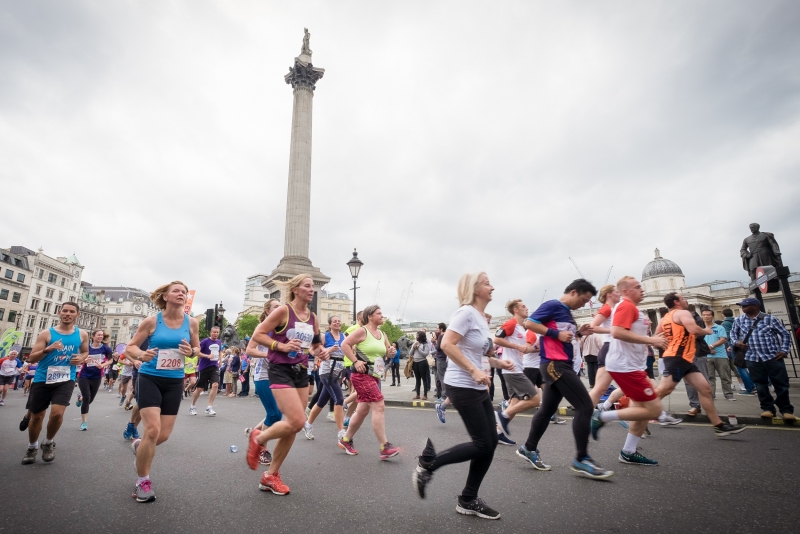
[[534, 375], [124, 379], [601, 356], [677, 368], [207, 377], [6, 380], [43, 395], [519, 386], [114, 374], [366, 386], [189, 375], [287, 375], [635, 385], [160, 392], [552, 371]]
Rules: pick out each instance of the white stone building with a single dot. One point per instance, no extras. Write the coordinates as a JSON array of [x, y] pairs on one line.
[[15, 280], [124, 308]]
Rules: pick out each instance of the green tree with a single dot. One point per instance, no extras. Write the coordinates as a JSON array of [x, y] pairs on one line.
[[246, 325], [391, 330]]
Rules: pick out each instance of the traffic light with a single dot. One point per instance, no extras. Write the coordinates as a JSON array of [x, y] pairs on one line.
[[209, 319]]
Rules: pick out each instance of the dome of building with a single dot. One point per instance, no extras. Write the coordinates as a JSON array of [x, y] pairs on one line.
[[661, 267]]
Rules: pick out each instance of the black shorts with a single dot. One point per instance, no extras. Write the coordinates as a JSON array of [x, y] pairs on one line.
[[601, 356], [159, 392], [677, 368], [6, 380], [114, 374], [207, 378], [286, 375], [534, 375], [552, 371], [43, 395]]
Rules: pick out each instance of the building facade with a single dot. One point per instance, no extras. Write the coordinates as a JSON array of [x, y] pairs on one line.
[[123, 310], [91, 309], [15, 280]]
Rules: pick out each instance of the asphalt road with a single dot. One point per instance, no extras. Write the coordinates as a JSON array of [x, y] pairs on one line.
[[746, 483]]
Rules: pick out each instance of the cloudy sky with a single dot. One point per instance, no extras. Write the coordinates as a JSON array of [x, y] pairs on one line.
[[448, 137]]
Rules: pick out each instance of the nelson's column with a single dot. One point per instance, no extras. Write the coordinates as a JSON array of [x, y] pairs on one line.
[[303, 78]]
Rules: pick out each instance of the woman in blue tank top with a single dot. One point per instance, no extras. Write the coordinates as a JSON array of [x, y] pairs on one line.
[[171, 336]]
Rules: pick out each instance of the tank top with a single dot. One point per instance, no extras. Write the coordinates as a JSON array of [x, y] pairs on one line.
[[169, 362], [680, 343], [31, 370], [372, 350], [295, 328], [190, 365], [90, 369], [337, 355], [55, 367]]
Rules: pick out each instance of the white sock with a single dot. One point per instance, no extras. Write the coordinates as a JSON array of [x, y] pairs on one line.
[[630, 444], [34, 445], [612, 415], [192, 406], [663, 415], [504, 414], [47, 442], [607, 405], [139, 480]]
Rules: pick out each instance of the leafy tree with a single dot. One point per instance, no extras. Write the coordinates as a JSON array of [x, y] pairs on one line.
[[246, 325], [391, 330]]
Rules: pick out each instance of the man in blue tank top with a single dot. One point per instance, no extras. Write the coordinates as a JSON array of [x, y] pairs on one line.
[[58, 351]]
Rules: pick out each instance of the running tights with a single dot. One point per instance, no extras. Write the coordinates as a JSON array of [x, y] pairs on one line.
[[475, 409], [569, 387], [88, 387], [330, 392], [268, 402]]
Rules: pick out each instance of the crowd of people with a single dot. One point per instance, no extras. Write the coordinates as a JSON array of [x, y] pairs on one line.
[[299, 368]]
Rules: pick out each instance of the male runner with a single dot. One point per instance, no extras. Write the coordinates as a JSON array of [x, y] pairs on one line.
[[58, 351], [680, 329], [208, 369]]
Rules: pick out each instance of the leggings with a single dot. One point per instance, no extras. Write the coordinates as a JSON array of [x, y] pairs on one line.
[[395, 372], [331, 391], [422, 372], [475, 409], [268, 401], [503, 384], [88, 387], [569, 386]]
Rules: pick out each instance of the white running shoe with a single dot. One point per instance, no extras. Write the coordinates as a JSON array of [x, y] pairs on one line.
[[341, 434], [331, 417], [192, 410], [668, 420], [247, 431], [210, 411], [308, 430]]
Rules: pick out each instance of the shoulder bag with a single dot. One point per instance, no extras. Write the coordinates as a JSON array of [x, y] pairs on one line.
[[739, 353]]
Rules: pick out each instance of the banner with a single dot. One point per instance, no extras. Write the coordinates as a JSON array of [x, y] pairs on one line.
[[187, 308], [10, 337]]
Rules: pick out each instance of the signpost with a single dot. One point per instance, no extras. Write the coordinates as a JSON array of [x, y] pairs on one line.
[[763, 276]]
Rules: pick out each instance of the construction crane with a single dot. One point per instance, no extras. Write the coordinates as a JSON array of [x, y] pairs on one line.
[[608, 275], [576, 268], [543, 295], [400, 304], [405, 304], [375, 296]]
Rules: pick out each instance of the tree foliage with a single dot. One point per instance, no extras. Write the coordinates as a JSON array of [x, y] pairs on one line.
[[246, 325], [391, 330]]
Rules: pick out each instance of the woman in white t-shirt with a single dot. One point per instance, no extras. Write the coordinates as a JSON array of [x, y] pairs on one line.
[[470, 349]]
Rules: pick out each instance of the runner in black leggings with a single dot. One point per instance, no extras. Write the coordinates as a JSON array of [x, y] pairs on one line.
[[100, 357]]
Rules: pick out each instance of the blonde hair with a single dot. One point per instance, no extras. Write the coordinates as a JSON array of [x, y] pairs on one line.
[[157, 296], [512, 305], [466, 287], [604, 291], [265, 312], [294, 283], [622, 283]]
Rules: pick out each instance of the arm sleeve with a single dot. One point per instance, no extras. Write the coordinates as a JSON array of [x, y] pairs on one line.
[[735, 332], [542, 314], [509, 327], [462, 322], [530, 336], [625, 316], [783, 335], [605, 310]]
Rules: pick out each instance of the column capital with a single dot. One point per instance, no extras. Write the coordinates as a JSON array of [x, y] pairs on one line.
[[303, 75]]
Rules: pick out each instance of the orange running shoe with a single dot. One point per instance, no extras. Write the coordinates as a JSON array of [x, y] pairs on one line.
[[253, 450], [273, 483]]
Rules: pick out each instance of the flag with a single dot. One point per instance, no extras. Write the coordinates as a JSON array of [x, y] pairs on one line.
[[187, 308], [10, 337]]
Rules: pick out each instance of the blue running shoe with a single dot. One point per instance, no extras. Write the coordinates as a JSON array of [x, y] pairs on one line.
[[136, 433], [129, 430], [503, 421], [588, 468], [346, 422], [79, 402], [505, 440], [533, 458], [84, 426], [440, 411], [597, 424], [635, 458]]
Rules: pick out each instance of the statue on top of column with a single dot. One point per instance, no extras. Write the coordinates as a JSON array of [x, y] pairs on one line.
[[306, 38], [763, 250]]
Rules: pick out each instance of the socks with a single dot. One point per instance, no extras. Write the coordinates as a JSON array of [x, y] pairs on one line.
[[630, 444], [47, 442], [192, 406], [609, 416], [504, 414], [139, 480], [34, 445], [607, 405]]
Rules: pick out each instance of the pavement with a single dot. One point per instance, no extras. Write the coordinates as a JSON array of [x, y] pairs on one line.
[[745, 408], [744, 483]]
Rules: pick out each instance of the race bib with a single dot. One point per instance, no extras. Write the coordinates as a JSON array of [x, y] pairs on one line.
[[378, 367], [57, 373], [169, 360], [94, 360], [305, 333], [486, 366], [214, 349]]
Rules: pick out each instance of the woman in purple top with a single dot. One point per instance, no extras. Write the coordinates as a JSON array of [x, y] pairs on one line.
[[295, 335]]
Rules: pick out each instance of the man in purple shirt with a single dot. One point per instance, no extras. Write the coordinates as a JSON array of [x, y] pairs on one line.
[[208, 370]]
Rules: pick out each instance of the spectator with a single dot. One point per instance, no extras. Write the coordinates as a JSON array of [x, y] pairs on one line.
[[395, 364], [245, 372], [766, 347], [441, 361], [718, 357], [743, 375], [234, 367], [700, 360], [590, 347], [422, 371]]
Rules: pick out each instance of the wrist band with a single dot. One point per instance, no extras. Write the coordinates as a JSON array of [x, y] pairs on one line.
[[552, 332], [274, 344]]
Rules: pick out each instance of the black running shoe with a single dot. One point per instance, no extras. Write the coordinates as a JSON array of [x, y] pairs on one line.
[[476, 507], [726, 429], [23, 425], [420, 479]]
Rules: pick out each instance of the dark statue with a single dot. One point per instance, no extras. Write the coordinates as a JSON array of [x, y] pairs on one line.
[[759, 249], [230, 337]]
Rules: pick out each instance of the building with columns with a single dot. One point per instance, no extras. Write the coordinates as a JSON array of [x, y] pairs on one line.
[[123, 309]]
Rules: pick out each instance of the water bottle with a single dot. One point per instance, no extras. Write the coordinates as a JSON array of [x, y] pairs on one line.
[[234, 448]]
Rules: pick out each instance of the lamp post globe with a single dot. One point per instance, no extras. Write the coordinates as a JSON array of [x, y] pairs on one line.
[[355, 265]]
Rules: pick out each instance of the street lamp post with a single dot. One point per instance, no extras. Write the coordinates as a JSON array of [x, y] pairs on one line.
[[355, 265]]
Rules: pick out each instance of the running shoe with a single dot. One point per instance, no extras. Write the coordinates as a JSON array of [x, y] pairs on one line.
[[747, 393], [668, 420], [420, 479], [441, 408], [77, 404], [128, 433], [144, 491], [331, 417], [30, 456], [84, 426], [502, 439], [308, 430], [308, 411], [635, 458], [273, 483], [265, 458], [504, 404], [502, 421], [588, 468], [346, 422], [556, 420], [128, 407], [253, 449], [533, 457], [247, 431], [49, 451], [347, 446], [121, 401], [23, 425], [725, 429], [387, 451], [341, 434], [647, 432], [476, 507], [730, 398], [136, 433], [135, 445], [192, 410], [210, 412], [2, 402], [597, 423]]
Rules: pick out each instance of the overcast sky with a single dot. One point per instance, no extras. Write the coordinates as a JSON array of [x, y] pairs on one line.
[[152, 139]]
